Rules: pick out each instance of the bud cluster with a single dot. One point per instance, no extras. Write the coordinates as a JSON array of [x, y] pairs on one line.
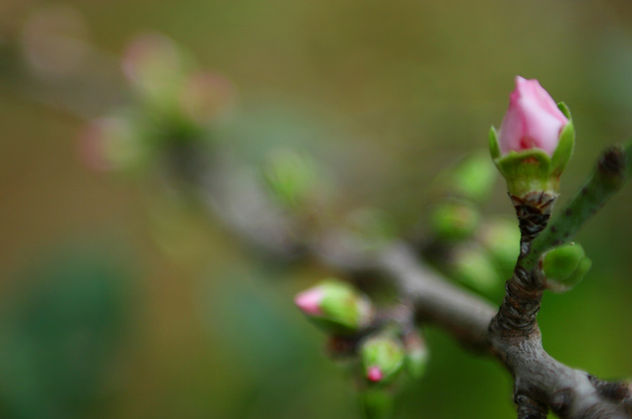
[[381, 347], [477, 253], [173, 103]]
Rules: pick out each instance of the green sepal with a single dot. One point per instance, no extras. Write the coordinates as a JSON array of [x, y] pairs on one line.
[[385, 352], [565, 266], [377, 402], [563, 107], [526, 171], [564, 150], [494, 147], [533, 169]]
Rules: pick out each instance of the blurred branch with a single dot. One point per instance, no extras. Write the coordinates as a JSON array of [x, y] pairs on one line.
[[541, 381], [234, 195], [235, 198]]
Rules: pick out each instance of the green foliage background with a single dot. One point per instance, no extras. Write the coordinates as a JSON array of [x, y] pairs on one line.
[[388, 93]]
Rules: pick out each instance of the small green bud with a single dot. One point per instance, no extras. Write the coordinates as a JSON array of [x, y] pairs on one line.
[[154, 66], [291, 177], [336, 307], [473, 178], [416, 354], [454, 220], [472, 267], [501, 239], [382, 357], [565, 266]]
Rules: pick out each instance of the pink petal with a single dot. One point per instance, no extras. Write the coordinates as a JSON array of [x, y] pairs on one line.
[[309, 301], [532, 119], [374, 374]]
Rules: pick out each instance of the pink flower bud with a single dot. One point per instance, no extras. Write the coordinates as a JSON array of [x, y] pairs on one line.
[[154, 65], [309, 301], [533, 120], [374, 374], [92, 147], [205, 95]]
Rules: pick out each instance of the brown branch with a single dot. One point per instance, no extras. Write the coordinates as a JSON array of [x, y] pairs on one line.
[[541, 382], [511, 335]]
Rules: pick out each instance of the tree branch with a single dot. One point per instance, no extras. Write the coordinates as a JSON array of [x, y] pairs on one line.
[[541, 382], [512, 335]]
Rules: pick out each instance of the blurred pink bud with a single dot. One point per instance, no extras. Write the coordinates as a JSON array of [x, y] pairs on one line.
[[151, 61], [108, 143], [92, 147], [309, 301], [374, 374], [54, 41], [205, 95], [533, 120]]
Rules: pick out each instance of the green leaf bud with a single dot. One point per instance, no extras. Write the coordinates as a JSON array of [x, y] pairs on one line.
[[564, 266], [454, 220], [501, 239], [472, 179], [472, 267], [291, 177]]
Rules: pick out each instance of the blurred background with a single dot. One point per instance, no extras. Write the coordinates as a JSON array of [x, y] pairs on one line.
[[119, 299]]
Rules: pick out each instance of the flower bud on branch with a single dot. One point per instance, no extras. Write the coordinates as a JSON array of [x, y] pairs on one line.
[[536, 141], [501, 239], [472, 267], [292, 178], [472, 179], [336, 307], [383, 357], [454, 220]]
